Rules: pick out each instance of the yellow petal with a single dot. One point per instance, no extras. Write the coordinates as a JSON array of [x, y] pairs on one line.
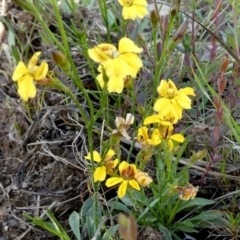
[[26, 87], [172, 86], [170, 144], [96, 156], [33, 61], [123, 165], [42, 71], [161, 104], [99, 174], [116, 72], [113, 181], [115, 84], [116, 68], [102, 52], [183, 100], [122, 2], [187, 91], [178, 137], [142, 134], [140, 2], [122, 189], [133, 12], [115, 162], [126, 45], [134, 63], [177, 108], [162, 89], [109, 155], [20, 71], [100, 80], [156, 137], [134, 184], [152, 119]]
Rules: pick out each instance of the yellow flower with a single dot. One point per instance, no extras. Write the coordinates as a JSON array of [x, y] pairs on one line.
[[166, 133], [115, 70], [146, 139], [117, 63], [133, 8], [143, 178], [157, 118], [127, 172], [188, 192], [24, 75], [172, 101], [107, 165], [123, 125]]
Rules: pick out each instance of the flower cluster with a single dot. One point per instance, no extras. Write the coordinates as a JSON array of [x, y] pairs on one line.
[[116, 65], [25, 76], [169, 107], [128, 176]]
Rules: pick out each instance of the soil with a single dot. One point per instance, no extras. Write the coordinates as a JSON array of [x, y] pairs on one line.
[[42, 156]]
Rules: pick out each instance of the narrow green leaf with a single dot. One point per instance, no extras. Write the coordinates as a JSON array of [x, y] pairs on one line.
[[196, 202]]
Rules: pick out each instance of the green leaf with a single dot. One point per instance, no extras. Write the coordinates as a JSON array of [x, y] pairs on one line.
[[111, 18], [86, 207], [196, 202], [185, 226], [211, 218], [147, 209], [74, 222], [110, 233], [118, 206], [53, 227], [165, 232], [88, 214]]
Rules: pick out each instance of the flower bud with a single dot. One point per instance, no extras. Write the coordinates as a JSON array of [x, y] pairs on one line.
[[127, 227], [143, 178], [181, 30], [224, 65], [145, 154], [154, 18], [164, 24], [61, 60], [198, 155]]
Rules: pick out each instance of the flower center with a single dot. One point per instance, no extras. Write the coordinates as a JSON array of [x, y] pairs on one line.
[[115, 54], [170, 93], [109, 164], [129, 3], [128, 173]]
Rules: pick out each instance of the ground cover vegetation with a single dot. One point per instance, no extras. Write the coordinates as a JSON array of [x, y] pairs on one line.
[[132, 107]]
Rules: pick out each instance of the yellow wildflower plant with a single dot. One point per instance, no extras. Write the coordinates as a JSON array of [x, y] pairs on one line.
[[25, 76], [127, 173], [188, 192], [107, 165], [145, 138], [133, 8], [117, 63], [172, 101], [143, 178], [166, 132]]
